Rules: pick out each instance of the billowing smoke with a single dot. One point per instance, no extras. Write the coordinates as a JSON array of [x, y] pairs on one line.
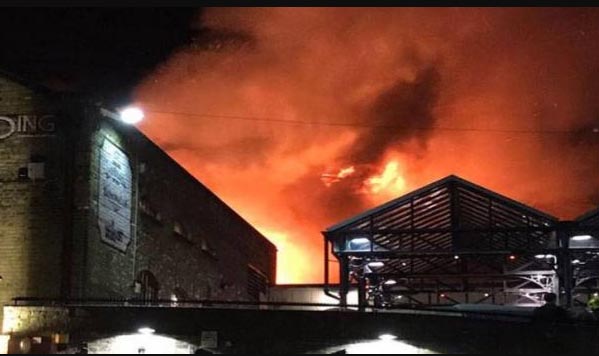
[[301, 117], [399, 113]]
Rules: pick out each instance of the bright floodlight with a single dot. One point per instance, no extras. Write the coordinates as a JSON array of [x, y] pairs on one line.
[[146, 331], [376, 264], [542, 257], [391, 282], [360, 240], [387, 337], [582, 238], [132, 115]]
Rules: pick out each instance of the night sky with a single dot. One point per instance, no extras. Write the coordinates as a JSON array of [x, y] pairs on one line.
[[100, 51]]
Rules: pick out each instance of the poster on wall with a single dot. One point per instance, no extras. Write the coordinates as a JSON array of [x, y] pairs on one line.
[[115, 196]]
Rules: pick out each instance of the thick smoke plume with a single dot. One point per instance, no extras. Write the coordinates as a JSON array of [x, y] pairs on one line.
[[307, 116]]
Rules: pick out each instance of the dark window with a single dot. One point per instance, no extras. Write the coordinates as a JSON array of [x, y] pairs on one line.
[[149, 286], [208, 249], [147, 209], [257, 283], [180, 231]]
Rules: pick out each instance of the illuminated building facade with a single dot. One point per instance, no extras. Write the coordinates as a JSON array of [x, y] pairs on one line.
[[92, 209]]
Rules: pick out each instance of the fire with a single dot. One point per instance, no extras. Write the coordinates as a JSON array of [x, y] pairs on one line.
[[389, 183], [346, 172], [330, 179], [281, 95], [288, 269]]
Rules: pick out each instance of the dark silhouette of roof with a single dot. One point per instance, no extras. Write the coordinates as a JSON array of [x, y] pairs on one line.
[[447, 217], [480, 199]]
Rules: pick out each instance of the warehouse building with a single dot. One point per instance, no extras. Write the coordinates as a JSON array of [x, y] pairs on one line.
[[90, 208]]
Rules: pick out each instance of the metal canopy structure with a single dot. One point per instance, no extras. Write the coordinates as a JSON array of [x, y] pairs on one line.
[[456, 242]]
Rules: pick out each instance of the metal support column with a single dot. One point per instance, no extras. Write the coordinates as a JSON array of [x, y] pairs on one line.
[[362, 293], [343, 280], [565, 271]]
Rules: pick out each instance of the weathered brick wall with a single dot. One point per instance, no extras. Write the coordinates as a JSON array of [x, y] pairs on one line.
[[210, 257], [35, 320], [31, 212], [107, 272], [181, 232]]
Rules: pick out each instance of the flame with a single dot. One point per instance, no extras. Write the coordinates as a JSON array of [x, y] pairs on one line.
[[346, 172], [330, 179], [390, 182], [288, 270]]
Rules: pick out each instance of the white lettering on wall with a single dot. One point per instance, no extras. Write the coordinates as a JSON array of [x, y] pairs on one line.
[[27, 125]]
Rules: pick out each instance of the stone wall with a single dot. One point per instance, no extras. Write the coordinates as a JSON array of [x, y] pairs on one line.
[[35, 320], [109, 272], [190, 239], [195, 245], [187, 238], [31, 211]]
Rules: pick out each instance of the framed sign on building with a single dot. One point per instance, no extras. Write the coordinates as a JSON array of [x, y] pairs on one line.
[[115, 196]]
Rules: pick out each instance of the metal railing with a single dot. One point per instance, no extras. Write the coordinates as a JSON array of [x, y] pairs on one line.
[[433, 310], [168, 303], [438, 310]]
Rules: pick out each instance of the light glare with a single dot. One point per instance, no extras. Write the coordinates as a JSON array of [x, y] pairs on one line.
[[582, 238], [360, 240], [4, 344], [387, 337], [146, 331], [376, 264], [132, 116]]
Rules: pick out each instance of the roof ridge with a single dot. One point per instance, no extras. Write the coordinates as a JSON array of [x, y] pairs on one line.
[[437, 184], [588, 214]]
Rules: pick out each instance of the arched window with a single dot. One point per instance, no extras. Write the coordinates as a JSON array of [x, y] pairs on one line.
[[149, 285]]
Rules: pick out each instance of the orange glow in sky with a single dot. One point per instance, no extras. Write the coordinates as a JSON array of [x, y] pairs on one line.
[[299, 118]]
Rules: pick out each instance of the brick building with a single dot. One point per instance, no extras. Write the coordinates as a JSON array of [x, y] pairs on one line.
[[90, 208]]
